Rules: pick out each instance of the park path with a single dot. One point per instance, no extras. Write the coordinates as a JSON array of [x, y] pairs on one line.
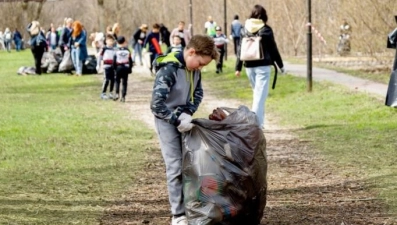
[[351, 82], [303, 187]]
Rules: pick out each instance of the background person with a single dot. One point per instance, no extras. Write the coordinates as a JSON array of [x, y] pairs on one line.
[[7, 39], [78, 47], [210, 26], [165, 35], [138, 39], [235, 32], [220, 41], [153, 40], [184, 34], [2, 45], [17, 37], [53, 38], [258, 71], [66, 34], [37, 43]]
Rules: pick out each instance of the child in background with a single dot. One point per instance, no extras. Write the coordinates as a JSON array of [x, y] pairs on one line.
[[177, 93], [177, 44], [153, 39], [220, 41], [123, 66], [107, 56]]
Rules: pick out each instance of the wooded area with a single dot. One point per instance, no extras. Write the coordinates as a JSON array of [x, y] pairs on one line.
[[371, 20]]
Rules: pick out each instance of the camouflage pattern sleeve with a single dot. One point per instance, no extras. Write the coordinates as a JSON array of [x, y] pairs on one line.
[[198, 96], [165, 79]]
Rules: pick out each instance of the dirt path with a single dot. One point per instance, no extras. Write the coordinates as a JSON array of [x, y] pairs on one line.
[[303, 187]]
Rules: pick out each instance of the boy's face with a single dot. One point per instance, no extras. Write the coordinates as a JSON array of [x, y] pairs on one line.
[[156, 30], [194, 61], [177, 40], [109, 42]]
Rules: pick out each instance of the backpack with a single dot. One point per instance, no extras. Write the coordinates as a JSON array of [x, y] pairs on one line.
[[251, 47], [251, 50]]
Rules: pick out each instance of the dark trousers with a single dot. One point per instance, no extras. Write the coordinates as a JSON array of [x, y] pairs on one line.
[[122, 77], [152, 57], [236, 42], [108, 79], [219, 64], [38, 53]]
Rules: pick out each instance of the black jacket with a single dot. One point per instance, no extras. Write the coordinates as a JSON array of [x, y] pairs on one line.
[[270, 50]]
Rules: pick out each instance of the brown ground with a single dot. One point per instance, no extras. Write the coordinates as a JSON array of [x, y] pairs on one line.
[[303, 187]]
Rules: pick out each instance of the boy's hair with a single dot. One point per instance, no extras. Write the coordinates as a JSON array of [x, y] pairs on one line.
[[156, 26], [182, 22], [204, 45], [176, 36], [121, 40], [109, 36]]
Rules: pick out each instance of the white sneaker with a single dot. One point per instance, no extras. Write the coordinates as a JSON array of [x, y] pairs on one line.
[[181, 220]]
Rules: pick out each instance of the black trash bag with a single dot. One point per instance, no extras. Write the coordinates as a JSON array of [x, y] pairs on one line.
[[391, 96], [89, 66], [224, 170]]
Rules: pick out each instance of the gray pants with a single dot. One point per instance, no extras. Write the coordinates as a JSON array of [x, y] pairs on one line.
[[171, 149]]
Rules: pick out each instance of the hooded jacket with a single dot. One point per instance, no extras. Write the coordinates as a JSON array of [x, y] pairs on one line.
[[269, 46], [175, 89]]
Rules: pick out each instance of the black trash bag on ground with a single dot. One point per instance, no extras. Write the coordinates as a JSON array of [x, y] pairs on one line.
[[66, 64], [391, 96], [224, 170], [89, 66]]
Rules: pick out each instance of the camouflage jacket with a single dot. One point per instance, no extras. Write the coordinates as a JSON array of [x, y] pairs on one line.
[[175, 89]]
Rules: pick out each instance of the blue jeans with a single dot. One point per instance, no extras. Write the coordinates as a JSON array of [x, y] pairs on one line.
[[18, 45], [78, 64], [259, 78], [137, 50]]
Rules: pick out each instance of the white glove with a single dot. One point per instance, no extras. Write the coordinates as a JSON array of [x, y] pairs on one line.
[[185, 124], [282, 70], [185, 116]]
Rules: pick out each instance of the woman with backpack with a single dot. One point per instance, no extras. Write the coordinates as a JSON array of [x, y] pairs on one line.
[[258, 69], [38, 44]]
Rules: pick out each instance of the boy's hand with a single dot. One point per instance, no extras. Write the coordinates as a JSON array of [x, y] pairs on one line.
[[185, 123], [237, 73], [185, 126]]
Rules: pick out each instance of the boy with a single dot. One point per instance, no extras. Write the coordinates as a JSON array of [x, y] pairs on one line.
[[123, 65], [177, 44], [107, 56], [153, 39], [220, 41], [177, 93]]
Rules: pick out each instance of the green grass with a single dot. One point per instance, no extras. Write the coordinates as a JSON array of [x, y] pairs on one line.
[[64, 153], [356, 132]]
